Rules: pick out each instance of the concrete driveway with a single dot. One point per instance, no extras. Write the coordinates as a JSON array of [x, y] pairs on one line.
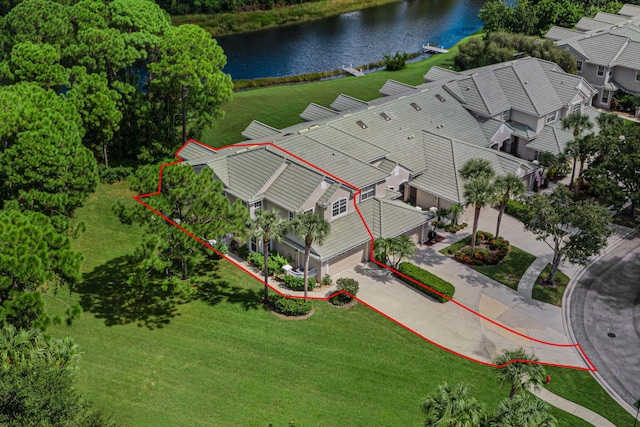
[[605, 317]]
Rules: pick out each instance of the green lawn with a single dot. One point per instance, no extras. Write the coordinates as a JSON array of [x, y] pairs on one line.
[[508, 272], [551, 295], [280, 106], [223, 360]]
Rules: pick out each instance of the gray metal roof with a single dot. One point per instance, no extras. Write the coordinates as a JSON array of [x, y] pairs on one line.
[[345, 103], [331, 190], [339, 140], [387, 166], [258, 130], [483, 94], [437, 73], [249, 170], [293, 186], [588, 24], [630, 56], [389, 218], [347, 232], [559, 33], [631, 31], [629, 9], [317, 112], [392, 87], [193, 150], [610, 18], [552, 139], [528, 88], [568, 85], [603, 48], [352, 170]]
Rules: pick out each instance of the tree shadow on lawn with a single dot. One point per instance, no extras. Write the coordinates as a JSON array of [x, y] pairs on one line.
[[106, 293], [215, 290]]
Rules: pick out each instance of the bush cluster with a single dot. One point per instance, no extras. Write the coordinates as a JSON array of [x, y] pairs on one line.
[[423, 276], [291, 306], [276, 261], [243, 251], [451, 228], [220, 247], [111, 175], [498, 249], [347, 285], [516, 209], [297, 283]]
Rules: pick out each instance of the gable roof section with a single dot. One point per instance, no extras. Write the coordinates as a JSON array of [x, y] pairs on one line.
[[438, 73], [630, 56], [551, 139], [347, 232], [346, 103], [392, 87], [589, 24], [389, 218], [603, 48], [293, 186], [247, 171], [630, 10], [610, 18], [317, 112], [339, 140], [528, 88], [483, 94], [193, 150], [559, 33], [258, 130]]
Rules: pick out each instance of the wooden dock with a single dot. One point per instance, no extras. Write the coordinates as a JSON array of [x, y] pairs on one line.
[[434, 49], [353, 71]]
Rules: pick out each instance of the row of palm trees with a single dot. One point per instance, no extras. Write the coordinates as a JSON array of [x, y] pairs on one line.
[[453, 406], [268, 226], [482, 188]]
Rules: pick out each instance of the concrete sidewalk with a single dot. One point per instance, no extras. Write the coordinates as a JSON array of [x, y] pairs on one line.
[[572, 408]]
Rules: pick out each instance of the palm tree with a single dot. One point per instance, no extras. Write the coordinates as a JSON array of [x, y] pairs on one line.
[[402, 247], [578, 123], [310, 227], [519, 370], [267, 226], [507, 187], [478, 192], [477, 168], [452, 407], [455, 210], [523, 411]]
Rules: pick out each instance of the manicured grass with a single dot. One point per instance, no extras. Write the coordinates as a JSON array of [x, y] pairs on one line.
[[550, 294], [224, 360], [508, 272], [280, 106], [581, 388]]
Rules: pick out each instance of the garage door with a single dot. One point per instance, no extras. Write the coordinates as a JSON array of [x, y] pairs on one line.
[[347, 260]]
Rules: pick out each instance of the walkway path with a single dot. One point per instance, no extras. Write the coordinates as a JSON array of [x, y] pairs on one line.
[[573, 408], [525, 286]]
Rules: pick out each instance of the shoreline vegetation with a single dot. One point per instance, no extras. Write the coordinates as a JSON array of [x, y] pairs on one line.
[[224, 24]]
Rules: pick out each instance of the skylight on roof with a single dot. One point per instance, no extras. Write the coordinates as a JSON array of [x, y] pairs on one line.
[[385, 116], [361, 124], [440, 98], [415, 106]]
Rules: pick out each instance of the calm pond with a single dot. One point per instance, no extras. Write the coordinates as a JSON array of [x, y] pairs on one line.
[[353, 38]]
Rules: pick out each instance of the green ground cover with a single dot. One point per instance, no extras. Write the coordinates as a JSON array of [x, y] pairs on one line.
[[224, 360], [582, 388], [508, 272], [280, 106], [219, 24], [551, 295]]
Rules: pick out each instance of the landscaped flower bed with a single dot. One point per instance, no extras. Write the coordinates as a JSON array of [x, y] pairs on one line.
[[488, 251]]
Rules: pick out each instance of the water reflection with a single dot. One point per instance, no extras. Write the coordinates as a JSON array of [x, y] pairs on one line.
[[354, 38]]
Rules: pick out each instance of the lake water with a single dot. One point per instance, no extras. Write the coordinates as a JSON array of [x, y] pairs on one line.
[[356, 38]]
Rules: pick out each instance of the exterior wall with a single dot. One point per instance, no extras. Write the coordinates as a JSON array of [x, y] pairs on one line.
[[347, 260], [310, 203], [425, 200], [340, 194], [267, 205], [398, 176], [627, 78], [526, 153], [381, 189], [590, 74], [525, 119]]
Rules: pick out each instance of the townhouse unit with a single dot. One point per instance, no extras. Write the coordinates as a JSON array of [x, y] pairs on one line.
[[397, 157], [607, 51]]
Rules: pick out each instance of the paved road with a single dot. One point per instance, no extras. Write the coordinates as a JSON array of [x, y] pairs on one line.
[[605, 317]]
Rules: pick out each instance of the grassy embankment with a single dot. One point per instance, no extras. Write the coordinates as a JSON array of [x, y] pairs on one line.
[[220, 24], [223, 360]]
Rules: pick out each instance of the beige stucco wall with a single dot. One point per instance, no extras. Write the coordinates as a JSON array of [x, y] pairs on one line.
[[398, 176], [341, 193]]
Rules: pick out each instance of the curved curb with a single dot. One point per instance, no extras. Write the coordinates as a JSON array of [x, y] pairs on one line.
[[566, 319]]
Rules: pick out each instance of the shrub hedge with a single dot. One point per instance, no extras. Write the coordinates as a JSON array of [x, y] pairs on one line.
[[297, 283], [276, 261], [291, 306], [346, 284], [423, 276], [516, 209]]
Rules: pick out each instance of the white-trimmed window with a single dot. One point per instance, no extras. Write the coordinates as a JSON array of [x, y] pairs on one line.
[[600, 70], [339, 207], [638, 76], [253, 244], [257, 205], [551, 117], [575, 108], [605, 96], [367, 192], [579, 66], [505, 115], [291, 215]]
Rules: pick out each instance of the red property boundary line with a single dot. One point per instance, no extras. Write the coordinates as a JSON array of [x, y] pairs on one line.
[[139, 198]]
